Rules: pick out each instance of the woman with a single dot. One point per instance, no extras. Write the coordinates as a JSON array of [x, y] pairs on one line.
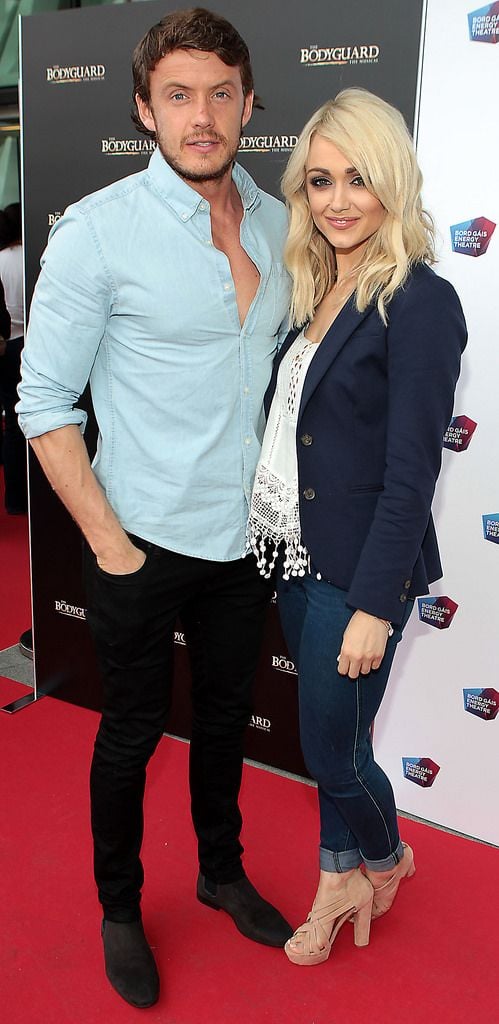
[[362, 394], [11, 276]]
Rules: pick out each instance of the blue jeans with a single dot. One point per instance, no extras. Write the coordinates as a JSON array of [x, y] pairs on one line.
[[357, 807]]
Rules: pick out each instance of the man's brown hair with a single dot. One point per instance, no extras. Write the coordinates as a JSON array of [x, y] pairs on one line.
[[194, 29]]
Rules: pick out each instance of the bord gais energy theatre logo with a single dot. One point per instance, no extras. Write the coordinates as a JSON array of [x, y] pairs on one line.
[[472, 237], [484, 24], [421, 770], [317, 56], [437, 611], [482, 703], [491, 527], [59, 75], [459, 433]]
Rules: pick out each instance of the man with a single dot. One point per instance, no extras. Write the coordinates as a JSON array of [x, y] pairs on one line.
[[167, 290]]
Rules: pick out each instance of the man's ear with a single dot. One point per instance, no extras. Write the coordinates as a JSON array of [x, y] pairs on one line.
[[248, 108], [145, 113]]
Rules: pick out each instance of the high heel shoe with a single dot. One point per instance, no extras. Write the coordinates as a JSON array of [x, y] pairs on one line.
[[385, 894], [311, 943]]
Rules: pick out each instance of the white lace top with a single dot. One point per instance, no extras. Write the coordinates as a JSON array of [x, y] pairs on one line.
[[274, 514]]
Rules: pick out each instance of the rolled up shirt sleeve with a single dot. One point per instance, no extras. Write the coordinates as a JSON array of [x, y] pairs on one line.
[[71, 305]]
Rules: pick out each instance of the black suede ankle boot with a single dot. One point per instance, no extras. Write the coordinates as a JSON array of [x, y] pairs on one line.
[[130, 965]]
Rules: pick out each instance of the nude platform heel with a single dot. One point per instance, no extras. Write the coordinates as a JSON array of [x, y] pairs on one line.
[[311, 943], [385, 894]]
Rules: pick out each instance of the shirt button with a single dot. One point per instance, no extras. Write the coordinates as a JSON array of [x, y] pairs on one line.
[[407, 584], [246, 391], [226, 287], [247, 440], [403, 598], [207, 241], [202, 206], [185, 216], [306, 439], [309, 494]]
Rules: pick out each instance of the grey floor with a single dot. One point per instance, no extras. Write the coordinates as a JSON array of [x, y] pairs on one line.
[[14, 665]]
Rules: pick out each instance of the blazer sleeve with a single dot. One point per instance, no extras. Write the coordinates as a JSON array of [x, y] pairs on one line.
[[425, 339]]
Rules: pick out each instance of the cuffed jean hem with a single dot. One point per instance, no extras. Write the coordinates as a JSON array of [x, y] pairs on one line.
[[388, 862], [329, 860], [344, 861]]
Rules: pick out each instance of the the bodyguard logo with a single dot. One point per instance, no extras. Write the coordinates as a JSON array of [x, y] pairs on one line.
[[483, 24], [421, 770], [73, 610], [127, 147], [179, 638], [267, 143], [283, 664], [328, 56], [482, 703], [472, 237], [52, 218], [437, 611], [459, 433], [491, 527], [58, 75], [263, 724]]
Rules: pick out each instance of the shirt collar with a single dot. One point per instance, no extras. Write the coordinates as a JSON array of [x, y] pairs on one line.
[[183, 199]]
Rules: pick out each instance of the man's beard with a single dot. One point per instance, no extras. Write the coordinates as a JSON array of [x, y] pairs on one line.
[[200, 176]]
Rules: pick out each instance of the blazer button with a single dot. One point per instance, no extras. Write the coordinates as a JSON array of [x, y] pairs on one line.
[[407, 584], [309, 493], [403, 598], [306, 439]]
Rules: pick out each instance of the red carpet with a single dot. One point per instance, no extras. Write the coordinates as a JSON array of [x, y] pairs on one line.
[[433, 958]]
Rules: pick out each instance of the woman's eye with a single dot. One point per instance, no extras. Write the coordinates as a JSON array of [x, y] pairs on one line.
[[319, 182], [358, 181]]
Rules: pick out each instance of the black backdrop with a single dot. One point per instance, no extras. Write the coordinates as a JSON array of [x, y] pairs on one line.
[[78, 137]]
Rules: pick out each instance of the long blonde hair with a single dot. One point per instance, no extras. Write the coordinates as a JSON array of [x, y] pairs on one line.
[[374, 137]]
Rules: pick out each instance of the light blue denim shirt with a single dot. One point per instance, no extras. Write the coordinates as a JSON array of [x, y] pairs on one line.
[[134, 295]]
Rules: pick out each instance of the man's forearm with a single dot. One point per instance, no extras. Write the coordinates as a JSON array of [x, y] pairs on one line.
[[64, 459]]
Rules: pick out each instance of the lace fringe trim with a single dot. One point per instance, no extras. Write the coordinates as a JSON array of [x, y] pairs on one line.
[[265, 547]]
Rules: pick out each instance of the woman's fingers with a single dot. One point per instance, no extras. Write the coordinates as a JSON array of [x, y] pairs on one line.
[[363, 647]]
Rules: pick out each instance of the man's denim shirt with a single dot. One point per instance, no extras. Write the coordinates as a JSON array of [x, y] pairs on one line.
[[134, 295]]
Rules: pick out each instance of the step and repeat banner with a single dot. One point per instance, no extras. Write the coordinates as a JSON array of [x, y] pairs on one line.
[[78, 137], [437, 732]]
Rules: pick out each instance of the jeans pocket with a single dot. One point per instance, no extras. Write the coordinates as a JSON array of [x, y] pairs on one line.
[[127, 578]]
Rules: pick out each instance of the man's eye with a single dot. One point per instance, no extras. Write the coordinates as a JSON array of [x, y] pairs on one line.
[[178, 96], [221, 93]]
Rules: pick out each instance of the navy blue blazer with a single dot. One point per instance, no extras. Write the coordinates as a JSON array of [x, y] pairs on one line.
[[375, 405]]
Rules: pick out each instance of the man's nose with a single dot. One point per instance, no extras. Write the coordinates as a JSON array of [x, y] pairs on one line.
[[202, 114]]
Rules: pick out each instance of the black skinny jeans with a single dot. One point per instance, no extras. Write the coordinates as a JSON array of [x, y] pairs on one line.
[[222, 606]]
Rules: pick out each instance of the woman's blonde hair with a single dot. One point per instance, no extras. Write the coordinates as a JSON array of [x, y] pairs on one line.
[[373, 136]]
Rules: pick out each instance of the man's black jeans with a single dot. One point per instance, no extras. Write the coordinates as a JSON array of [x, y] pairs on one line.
[[222, 606]]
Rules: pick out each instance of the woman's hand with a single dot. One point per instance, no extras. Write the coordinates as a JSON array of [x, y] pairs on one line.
[[363, 647]]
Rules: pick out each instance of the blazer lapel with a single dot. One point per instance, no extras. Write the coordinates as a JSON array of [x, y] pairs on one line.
[[338, 334]]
